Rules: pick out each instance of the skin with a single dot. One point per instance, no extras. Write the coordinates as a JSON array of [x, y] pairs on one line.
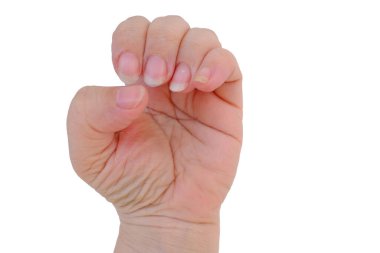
[[164, 157]]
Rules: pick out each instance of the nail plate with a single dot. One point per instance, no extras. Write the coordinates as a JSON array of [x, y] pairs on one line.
[[155, 71], [128, 69], [180, 78], [203, 75]]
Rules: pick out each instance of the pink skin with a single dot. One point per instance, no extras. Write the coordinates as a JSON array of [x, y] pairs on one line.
[[164, 149], [181, 78], [128, 67]]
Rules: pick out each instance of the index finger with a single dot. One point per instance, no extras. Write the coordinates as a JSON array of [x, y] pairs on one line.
[[128, 44]]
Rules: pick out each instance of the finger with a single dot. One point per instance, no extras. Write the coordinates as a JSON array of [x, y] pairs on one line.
[[95, 115], [195, 45], [128, 43], [163, 40], [220, 72]]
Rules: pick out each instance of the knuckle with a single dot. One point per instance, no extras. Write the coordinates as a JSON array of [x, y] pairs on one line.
[[82, 95], [129, 24], [137, 18], [226, 56], [162, 38], [82, 92], [77, 105], [201, 37], [170, 19], [205, 32], [168, 26], [227, 53]]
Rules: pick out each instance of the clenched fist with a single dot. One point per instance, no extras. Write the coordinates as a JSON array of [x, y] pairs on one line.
[[164, 148]]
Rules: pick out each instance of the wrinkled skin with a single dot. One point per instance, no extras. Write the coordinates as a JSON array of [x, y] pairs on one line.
[[174, 155]]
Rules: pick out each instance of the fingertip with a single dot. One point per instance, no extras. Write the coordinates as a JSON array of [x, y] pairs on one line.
[[204, 79], [181, 78], [203, 75], [155, 71], [128, 68], [129, 37], [218, 67]]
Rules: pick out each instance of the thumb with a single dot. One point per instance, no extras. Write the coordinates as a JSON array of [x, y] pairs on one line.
[[96, 114]]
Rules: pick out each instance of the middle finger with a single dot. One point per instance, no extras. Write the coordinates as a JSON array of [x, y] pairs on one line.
[[161, 48]]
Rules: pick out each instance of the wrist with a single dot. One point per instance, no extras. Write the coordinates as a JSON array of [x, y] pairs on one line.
[[167, 235]]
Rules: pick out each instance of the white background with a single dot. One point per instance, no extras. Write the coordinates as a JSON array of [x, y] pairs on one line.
[[309, 177]]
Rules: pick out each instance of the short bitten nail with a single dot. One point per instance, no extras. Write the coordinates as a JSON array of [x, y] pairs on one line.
[[155, 71], [181, 78], [128, 69], [203, 75]]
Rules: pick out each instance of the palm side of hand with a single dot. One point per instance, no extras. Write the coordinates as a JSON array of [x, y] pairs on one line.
[[176, 159], [170, 148]]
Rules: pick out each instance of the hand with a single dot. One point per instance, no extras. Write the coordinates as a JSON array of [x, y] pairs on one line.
[[164, 149]]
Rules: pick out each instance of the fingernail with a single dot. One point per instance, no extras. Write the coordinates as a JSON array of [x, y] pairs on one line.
[[180, 78], [155, 71], [130, 96], [129, 69], [203, 75]]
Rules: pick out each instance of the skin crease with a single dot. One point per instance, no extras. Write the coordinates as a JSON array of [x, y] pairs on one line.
[[167, 164]]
